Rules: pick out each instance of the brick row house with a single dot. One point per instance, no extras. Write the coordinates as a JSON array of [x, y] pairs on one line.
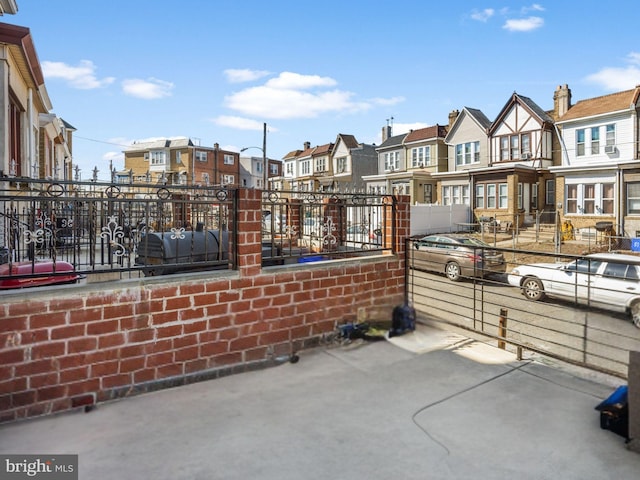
[[180, 161], [338, 166]]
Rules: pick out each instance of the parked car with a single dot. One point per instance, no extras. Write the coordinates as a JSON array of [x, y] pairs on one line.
[[457, 256], [36, 274], [606, 280]]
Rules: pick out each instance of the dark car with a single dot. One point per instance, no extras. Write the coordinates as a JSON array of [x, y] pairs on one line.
[[457, 256]]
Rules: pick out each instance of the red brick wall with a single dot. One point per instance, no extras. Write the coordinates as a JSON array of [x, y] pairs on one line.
[[61, 349]]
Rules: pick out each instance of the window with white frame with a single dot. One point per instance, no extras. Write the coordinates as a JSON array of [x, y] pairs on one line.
[[455, 195], [520, 190], [227, 179], [525, 140], [305, 167], [341, 165], [480, 196], [392, 161], [288, 169], [633, 198], [491, 195], [321, 164], [595, 141], [201, 156], [273, 168], [580, 142], [158, 157], [178, 157], [467, 153], [503, 197], [421, 156], [513, 146], [228, 159], [590, 199], [610, 135]]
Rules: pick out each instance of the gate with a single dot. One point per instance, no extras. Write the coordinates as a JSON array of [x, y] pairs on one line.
[[493, 310]]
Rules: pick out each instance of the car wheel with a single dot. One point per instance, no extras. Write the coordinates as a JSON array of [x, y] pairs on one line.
[[635, 314], [532, 289], [452, 271]]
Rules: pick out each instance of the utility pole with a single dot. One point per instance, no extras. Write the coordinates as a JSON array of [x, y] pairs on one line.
[[265, 166]]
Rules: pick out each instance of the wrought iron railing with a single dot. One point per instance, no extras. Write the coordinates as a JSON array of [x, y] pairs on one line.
[[304, 226], [112, 229]]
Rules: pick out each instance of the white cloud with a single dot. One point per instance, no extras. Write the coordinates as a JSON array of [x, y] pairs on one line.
[[483, 15], [289, 80], [81, 76], [235, 75], [523, 24], [149, 89], [241, 123], [619, 78], [536, 7], [387, 101]]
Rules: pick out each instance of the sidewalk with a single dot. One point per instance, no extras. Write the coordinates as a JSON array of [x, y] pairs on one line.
[[427, 405]]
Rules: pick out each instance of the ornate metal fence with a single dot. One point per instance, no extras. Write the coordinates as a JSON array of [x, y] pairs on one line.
[[113, 229], [303, 226]]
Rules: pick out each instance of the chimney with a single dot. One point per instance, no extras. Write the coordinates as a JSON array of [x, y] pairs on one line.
[[561, 100], [307, 145], [386, 133], [453, 116], [216, 146]]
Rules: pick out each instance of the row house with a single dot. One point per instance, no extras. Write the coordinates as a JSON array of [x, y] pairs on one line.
[[179, 162], [597, 181], [34, 143], [406, 163], [252, 172], [340, 165]]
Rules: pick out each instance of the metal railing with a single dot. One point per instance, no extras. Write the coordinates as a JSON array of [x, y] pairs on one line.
[[303, 226], [112, 229]]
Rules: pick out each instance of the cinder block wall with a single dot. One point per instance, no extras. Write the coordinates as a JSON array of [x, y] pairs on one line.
[[64, 348]]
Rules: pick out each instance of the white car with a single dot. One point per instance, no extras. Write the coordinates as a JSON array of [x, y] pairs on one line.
[[605, 280]]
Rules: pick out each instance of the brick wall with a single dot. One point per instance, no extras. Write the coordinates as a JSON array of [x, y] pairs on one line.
[[70, 347]]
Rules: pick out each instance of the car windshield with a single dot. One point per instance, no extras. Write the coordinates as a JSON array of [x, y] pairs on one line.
[[472, 242], [584, 265]]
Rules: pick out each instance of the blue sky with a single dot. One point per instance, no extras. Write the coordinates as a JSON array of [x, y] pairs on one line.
[[216, 70]]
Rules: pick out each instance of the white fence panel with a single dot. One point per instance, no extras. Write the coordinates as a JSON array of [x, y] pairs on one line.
[[426, 219]]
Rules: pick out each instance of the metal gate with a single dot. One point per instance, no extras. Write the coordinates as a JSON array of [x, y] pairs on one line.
[[491, 308]]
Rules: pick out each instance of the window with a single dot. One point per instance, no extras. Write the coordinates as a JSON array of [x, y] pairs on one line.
[[550, 192], [205, 178], [201, 156], [534, 195], [595, 141], [503, 197], [514, 143], [491, 195], [526, 143], [421, 156], [273, 169], [607, 198], [580, 142], [341, 165], [158, 157], [467, 153], [259, 167], [228, 159], [321, 164], [589, 199], [227, 179], [504, 148], [392, 161], [572, 199], [633, 198], [455, 195], [479, 196], [305, 167], [611, 134], [520, 196], [178, 157], [289, 169]]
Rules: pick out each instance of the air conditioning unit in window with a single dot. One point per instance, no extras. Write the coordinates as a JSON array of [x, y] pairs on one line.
[[526, 156], [610, 149]]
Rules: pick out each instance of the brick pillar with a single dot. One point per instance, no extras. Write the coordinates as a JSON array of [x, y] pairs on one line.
[[248, 228], [402, 223]]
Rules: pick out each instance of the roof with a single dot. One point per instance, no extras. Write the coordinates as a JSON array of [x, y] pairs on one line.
[[323, 149], [532, 106], [480, 117], [292, 154], [427, 133], [395, 141], [349, 140], [613, 102]]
